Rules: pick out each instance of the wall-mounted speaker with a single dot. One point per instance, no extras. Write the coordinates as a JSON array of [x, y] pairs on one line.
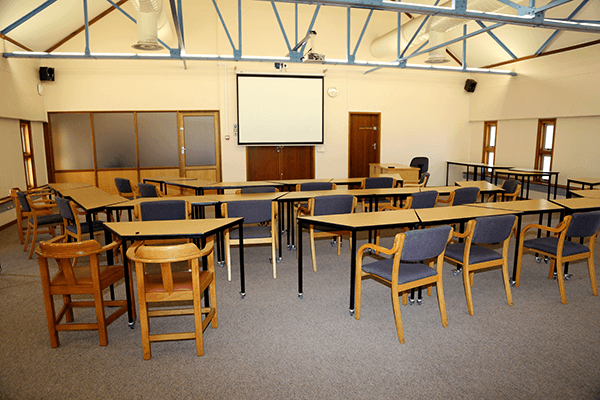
[[470, 85], [46, 74]]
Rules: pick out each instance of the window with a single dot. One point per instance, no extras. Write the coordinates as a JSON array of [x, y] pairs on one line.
[[27, 146], [545, 145], [489, 142]]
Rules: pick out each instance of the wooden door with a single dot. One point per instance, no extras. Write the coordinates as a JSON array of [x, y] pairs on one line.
[[364, 143], [280, 162], [200, 146]]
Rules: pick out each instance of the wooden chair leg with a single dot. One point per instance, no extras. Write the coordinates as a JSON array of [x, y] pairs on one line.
[[312, 249], [467, 285], [552, 269], [561, 283], [398, 316], [592, 275], [274, 255], [100, 316], [440, 294], [198, 326]]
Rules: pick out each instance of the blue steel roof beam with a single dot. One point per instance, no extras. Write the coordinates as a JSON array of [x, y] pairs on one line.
[[521, 10], [551, 5], [537, 21], [27, 16], [87, 28], [312, 24], [181, 47], [362, 33], [125, 13], [414, 35], [287, 42], [226, 30], [464, 37], [180, 19], [556, 32], [493, 36], [348, 26], [464, 60]]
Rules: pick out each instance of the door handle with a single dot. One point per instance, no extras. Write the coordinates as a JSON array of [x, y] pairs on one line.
[[374, 146], [183, 150]]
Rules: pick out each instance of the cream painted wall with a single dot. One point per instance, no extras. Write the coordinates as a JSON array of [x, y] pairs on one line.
[[11, 156], [18, 86]]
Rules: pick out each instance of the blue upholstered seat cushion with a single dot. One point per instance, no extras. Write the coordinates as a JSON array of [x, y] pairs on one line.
[[251, 232], [85, 228], [550, 245], [478, 254], [407, 272], [48, 219]]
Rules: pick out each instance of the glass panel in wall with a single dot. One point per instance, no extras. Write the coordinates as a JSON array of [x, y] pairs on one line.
[[157, 139], [72, 141], [199, 140], [115, 140], [492, 136], [549, 134]]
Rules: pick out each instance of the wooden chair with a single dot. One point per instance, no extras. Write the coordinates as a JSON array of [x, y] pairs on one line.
[[89, 279], [422, 181], [126, 189], [260, 227], [149, 190], [327, 205], [377, 182], [169, 286], [41, 219], [72, 225], [418, 258], [20, 214], [260, 189], [512, 189], [163, 210], [560, 250], [461, 196], [474, 257]]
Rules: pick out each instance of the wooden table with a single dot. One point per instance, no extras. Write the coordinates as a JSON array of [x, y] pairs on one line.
[[355, 223], [591, 182], [526, 174], [484, 187], [408, 173], [59, 187], [476, 165], [181, 229], [92, 200], [163, 180]]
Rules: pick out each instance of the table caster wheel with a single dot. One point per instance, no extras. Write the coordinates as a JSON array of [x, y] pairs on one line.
[[131, 324], [538, 260], [300, 295], [419, 301], [221, 264], [351, 313], [278, 260], [568, 277], [456, 272], [242, 295]]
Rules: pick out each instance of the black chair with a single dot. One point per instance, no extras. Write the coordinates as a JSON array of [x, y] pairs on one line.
[[473, 257], [560, 250], [260, 227], [422, 163], [147, 190], [327, 205], [414, 255]]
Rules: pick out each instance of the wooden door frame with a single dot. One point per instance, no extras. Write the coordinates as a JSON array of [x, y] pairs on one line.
[[181, 140], [352, 113]]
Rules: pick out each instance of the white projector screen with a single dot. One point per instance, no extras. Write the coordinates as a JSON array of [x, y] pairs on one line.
[[279, 109]]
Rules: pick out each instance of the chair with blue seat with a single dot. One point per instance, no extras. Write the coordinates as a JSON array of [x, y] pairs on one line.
[[314, 186], [72, 225], [125, 188], [164, 210], [377, 182], [462, 196], [327, 205], [512, 189], [257, 189], [560, 250], [42, 218], [474, 253], [418, 258], [148, 190], [40, 196], [260, 227]]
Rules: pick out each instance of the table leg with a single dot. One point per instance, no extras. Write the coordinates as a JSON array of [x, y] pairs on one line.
[[280, 225], [300, 291], [447, 171], [517, 238], [128, 294], [353, 272], [242, 272]]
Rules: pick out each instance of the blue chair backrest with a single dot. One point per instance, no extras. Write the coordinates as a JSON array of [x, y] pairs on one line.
[[510, 185], [423, 244], [493, 229], [466, 195], [147, 190], [424, 199], [253, 211], [327, 205], [379, 182], [23, 201], [424, 178], [64, 208], [123, 185], [584, 224], [163, 210], [261, 189], [313, 186]]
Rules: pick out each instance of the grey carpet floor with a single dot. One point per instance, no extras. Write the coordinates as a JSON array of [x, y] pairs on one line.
[[273, 345]]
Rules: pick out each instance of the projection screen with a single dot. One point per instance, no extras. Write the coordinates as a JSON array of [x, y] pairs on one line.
[[279, 109]]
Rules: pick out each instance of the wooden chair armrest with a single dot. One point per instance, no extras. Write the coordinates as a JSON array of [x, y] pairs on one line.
[[391, 207], [376, 248], [559, 228], [303, 211], [492, 198]]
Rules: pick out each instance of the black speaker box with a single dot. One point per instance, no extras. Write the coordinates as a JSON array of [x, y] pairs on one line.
[[470, 85], [46, 74]]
